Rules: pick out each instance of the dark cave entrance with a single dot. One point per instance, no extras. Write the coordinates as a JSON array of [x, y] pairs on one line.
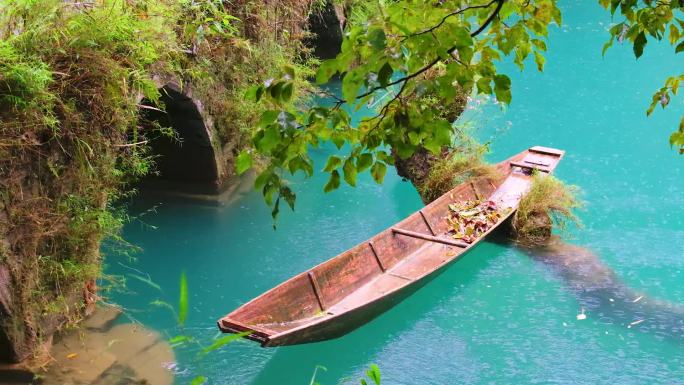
[[186, 161]]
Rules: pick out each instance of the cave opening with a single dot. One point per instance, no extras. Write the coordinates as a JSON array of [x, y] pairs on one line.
[[184, 161]]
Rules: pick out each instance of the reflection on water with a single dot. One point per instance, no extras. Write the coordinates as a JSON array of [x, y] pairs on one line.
[[105, 352]]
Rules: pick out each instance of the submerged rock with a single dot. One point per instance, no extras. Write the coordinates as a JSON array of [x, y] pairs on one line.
[[105, 352]]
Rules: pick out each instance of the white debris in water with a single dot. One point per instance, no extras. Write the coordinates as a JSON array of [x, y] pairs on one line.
[[634, 323], [581, 316], [638, 299]]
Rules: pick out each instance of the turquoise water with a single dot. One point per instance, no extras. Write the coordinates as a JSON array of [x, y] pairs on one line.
[[497, 316]]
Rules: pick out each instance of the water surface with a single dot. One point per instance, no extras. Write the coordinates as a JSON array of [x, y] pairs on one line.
[[496, 316]]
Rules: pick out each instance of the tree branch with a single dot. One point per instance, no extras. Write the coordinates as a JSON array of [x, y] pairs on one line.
[[445, 18], [499, 4]]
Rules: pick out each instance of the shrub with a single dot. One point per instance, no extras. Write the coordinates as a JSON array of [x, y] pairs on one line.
[[548, 203]]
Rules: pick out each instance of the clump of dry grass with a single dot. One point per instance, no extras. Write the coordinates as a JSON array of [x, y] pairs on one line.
[[455, 168], [549, 203]]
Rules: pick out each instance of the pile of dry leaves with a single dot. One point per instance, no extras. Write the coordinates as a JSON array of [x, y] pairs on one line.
[[468, 220]]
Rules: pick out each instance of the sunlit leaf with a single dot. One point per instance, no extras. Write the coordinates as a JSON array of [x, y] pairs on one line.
[[183, 299], [243, 162], [378, 171], [333, 182], [222, 341]]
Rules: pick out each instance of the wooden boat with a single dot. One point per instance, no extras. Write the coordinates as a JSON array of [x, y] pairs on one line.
[[349, 290]]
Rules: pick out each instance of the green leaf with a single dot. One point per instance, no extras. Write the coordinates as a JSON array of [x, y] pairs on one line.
[[289, 71], [286, 92], [350, 172], [502, 88], [351, 84], [332, 163], [254, 94], [179, 340], [289, 196], [270, 139], [275, 91], [377, 39], [385, 74], [224, 341], [639, 44], [333, 182], [484, 85], [183, 299], [680, 47], [243, 162], [326, 70], [374, 373], [276, 209], [540, 44], [460, 37], [540, 60], [363, 162], [199, 380], [268, 117], [378, 172], [608, 44]]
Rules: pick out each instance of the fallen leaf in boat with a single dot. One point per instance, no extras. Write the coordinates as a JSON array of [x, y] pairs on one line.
[[72, 355]]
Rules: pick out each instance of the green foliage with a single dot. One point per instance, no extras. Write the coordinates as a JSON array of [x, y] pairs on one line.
[[199, 380], [405, 49], [72, 136], [460, 164], [373, 373], [549, 202], [222, 341], [183, 300], [658, 20]]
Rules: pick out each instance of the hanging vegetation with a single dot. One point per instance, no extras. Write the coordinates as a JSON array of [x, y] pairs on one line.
[[549, 203], [455, 167], [73, 78]]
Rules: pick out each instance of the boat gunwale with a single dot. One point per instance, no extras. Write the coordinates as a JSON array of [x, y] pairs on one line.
[[269, 339]]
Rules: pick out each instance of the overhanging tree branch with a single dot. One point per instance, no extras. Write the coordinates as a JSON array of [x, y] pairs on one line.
[[487, 22], [445, 18]]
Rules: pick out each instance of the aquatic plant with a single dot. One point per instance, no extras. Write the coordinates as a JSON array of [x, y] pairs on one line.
[[548, 203]]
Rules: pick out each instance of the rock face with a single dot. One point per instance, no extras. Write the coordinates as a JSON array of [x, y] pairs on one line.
[[416, 167], [326, 25]]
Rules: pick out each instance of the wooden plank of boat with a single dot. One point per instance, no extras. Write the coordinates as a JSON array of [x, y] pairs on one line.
[[349, 290]]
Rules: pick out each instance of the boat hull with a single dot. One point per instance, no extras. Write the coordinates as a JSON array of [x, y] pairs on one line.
[[348, 291]]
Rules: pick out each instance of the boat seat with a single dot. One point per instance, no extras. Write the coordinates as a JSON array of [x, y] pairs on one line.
[[530, 166]]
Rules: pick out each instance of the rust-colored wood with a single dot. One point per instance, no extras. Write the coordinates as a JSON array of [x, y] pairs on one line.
[[427, 222], [345, 292], [316, 289], [530, 166], [377, 258], [477, 195], [430, 238]]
